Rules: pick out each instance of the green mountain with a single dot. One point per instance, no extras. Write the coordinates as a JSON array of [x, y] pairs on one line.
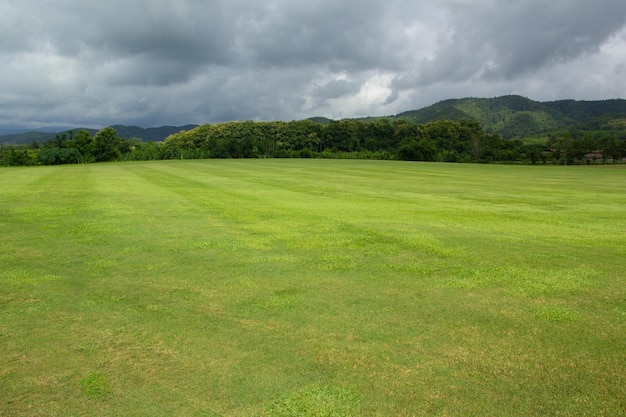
[[515, 116], [509, 116], [25, 138], [152, 134], [321, 120]]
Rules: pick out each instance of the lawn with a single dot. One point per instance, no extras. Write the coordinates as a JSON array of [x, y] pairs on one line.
[[312, 287]]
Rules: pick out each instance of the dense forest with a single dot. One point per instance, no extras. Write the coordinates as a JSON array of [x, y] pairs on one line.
[[443, 140]]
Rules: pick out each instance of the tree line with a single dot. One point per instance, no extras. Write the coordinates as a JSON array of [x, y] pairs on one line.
[[443, 140]]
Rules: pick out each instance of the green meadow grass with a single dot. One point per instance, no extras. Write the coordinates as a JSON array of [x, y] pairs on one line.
[[312, 287]]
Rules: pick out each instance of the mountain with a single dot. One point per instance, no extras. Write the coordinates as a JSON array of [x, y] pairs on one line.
[[509, 116], [151, 134], [321, 120], [25, 137], [515, 116], [50, 129]]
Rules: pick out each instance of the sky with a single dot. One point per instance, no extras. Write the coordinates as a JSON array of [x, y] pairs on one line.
[[150, 63]]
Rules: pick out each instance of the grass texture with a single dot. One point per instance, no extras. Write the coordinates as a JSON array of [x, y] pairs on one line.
[[312, 288]]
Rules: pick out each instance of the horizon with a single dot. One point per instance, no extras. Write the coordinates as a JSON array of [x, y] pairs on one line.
[[8, 131]]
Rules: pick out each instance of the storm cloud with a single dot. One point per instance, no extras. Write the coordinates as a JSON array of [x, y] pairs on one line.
[[160, 62]]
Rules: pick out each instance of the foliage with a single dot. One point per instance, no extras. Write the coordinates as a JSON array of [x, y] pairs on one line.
[[443, 140], [519, 117], [568, 149], [85, 145], [106, 145], [417, 149], [54, 155], [463, 140], [18, 156]]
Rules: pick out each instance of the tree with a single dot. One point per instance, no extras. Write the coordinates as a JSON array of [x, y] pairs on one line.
[[106, 145], [18, 157], [379, 136], [84, 143], [492, 147], [53, 155], [471, 135], [144, 151], [445, 134], [301, 134], [533, 153], [609, 147], [417, 149], [564, 146]]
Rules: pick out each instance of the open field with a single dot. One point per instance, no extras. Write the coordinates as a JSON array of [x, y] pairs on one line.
[[271, 287]]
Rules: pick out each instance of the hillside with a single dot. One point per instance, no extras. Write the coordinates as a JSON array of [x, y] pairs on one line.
[[515, 116], [509, 116], [152, 134]]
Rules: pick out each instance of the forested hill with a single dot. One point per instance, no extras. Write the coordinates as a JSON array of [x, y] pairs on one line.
[[515, 116], [152, 134], [508, 116]]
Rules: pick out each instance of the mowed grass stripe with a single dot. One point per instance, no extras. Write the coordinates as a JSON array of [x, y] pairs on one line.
[[309, 223], [370, 287]]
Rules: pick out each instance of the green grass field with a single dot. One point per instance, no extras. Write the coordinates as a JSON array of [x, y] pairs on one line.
[[312, 287]]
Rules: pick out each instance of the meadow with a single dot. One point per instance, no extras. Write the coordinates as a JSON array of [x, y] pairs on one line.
[[312, 287]]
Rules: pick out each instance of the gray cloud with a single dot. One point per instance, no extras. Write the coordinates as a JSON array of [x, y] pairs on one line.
[[498, 39], [190, 61], [519, 39], [335, 89], [344, 35]]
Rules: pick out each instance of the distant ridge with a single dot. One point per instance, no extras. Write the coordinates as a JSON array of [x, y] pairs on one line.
[[151, 134], [320, 120], [516, 116], [511, 116]]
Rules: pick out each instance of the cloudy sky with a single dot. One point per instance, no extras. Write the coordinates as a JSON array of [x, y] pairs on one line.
[[156, 62]]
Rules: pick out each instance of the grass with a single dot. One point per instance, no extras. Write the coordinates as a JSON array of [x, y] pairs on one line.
[[312, 287]]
